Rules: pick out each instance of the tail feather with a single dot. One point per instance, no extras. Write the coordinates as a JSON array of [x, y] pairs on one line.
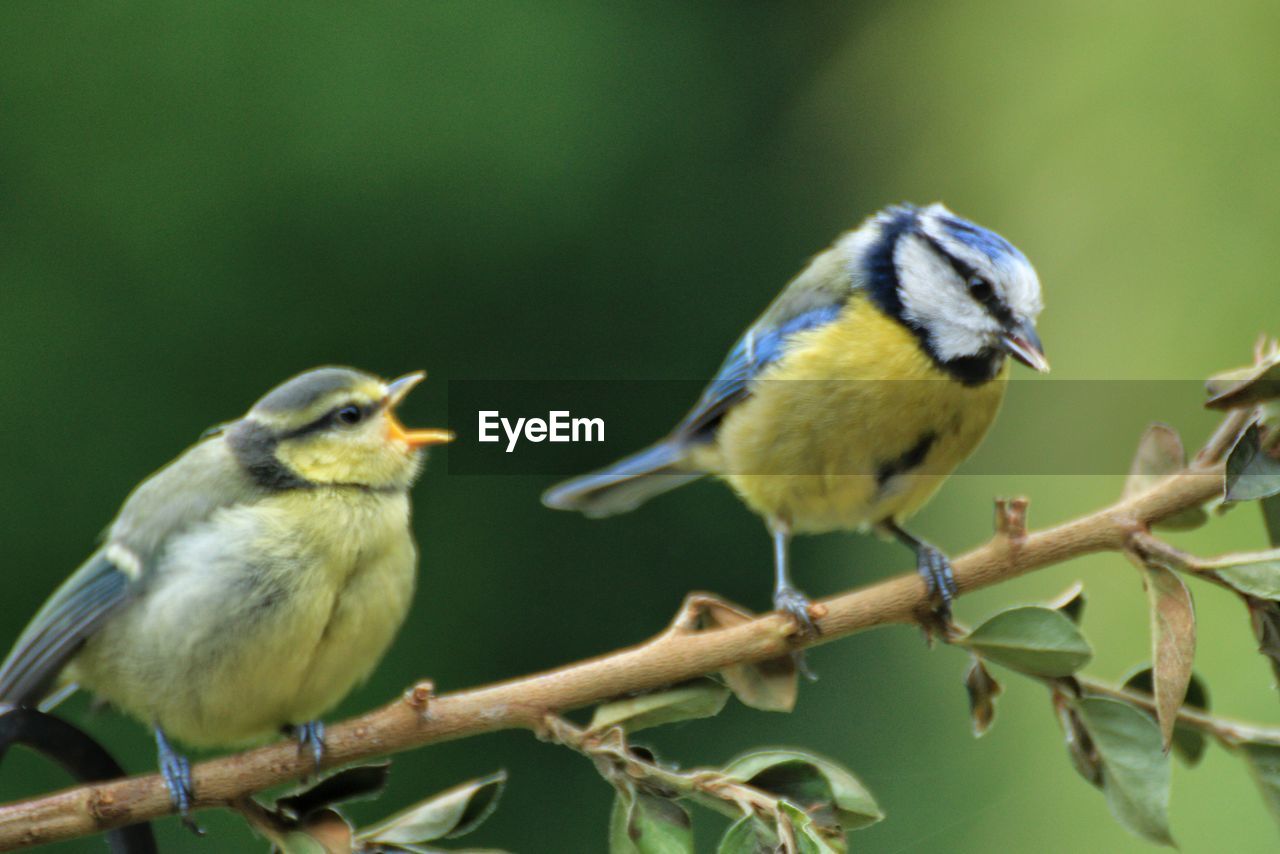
[[626, 484]]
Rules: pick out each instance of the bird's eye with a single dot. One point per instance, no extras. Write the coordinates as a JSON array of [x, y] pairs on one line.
[[349, 415], [980, 288]]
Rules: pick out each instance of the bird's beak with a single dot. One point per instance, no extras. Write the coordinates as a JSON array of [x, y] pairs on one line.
[[1022, 342], [396, 392]]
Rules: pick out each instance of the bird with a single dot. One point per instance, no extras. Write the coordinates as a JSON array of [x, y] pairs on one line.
[[874, 373], [246, 587]]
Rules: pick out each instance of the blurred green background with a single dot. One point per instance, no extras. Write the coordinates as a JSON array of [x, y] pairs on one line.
[[198, 200]]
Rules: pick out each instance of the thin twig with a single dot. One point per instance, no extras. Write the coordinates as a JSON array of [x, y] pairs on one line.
[[1149, 548], [418, 719], [613, 756], [1230, 732], [708, 787], [1225, 437]]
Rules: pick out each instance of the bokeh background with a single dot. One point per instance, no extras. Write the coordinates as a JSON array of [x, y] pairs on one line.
[[198, 200]]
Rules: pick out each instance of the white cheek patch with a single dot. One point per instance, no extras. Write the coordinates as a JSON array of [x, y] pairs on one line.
[[991, 256], [934, 298], [1023, 292]]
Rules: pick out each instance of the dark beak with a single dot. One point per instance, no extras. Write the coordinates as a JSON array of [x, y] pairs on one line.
[[1022, 342]]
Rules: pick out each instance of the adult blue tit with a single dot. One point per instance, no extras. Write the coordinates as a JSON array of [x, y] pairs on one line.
[[875, 372], [251, 583]]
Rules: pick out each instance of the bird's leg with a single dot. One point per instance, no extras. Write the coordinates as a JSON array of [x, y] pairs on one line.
[[176, 770], [310, 736], [933, 565], [786, 598]]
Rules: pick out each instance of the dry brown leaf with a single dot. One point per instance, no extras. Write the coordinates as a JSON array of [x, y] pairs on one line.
[[983, 690], [1173, 644], [771, 685]]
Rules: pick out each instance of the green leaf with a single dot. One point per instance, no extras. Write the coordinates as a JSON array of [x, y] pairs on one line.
[[753, 836], [812, 837], [1173, 644], [1080, 747], [828, 792], [748, 835], [1135, 769], [1188, 742], [298, 842], [1242, 387], [646, 824], [1071, 602], [1251, 474], [453, 812], [1160, 454], [701, 698], [349, 784], [1257, 575], [1031, 639], [1271, 518], [1264, 765], [983, 690], [771, 685], [1264, 616]]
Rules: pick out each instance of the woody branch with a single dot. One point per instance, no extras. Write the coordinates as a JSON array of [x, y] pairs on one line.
[[419, 718]]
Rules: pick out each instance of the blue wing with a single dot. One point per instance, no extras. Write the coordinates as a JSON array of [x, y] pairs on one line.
[[760, 347], [73, 613]]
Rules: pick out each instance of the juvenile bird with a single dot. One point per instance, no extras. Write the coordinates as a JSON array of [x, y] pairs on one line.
[[247, 586], [875, 372]]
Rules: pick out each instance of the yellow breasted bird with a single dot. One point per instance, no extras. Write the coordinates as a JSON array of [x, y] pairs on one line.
[[875, 372], [249, 585]]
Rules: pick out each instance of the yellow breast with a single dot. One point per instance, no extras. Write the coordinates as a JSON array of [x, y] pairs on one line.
[[266, 615], [854, 425]]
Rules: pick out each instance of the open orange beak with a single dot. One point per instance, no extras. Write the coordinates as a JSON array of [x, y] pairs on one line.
[[396, 392]]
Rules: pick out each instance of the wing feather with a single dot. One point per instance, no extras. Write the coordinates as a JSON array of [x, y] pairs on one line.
[[759, 348], [815, 297], [184, 493], [71, 615]]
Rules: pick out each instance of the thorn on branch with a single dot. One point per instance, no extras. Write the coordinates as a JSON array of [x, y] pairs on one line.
[[420, 695], [1011, 518]]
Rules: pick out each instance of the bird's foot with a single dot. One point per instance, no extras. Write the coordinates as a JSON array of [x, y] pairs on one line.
[[176, 770], [800, 658], [939, 580], [796, 605], [310, 736]]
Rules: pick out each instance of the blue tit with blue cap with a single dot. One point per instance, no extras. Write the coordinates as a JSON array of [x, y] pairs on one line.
[[249, 585], [876, 371]]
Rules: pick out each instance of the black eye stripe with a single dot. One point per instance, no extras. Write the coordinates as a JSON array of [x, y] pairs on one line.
[[970, 276], [332, 419]]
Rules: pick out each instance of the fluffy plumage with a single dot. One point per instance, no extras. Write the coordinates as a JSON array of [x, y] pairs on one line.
[[252, 582], [876, 371]]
